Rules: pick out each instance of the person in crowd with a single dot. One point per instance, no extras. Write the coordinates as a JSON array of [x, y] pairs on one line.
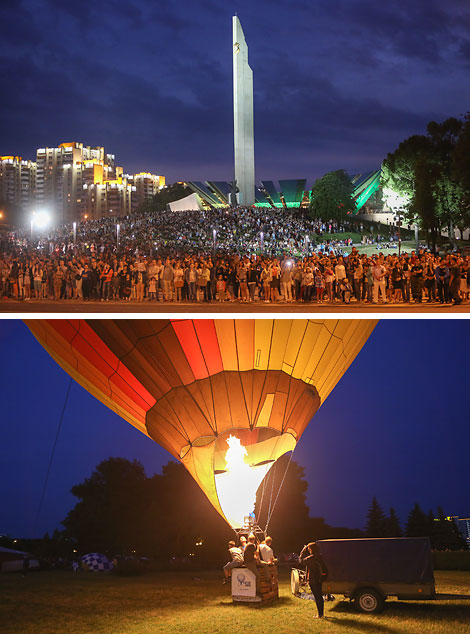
[[178, 281], [417, 281], [152, 288], [251, 558], [378, 274], [220, 289], [266, 552]]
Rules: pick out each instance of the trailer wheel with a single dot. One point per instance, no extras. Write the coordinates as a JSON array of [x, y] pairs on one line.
[[294, 581], [368, 600]]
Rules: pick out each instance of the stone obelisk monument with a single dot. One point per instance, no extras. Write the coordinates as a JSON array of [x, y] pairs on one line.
[[243, 117]]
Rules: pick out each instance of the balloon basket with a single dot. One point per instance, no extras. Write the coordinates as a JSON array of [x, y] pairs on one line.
[[269, 584], [244, 585]]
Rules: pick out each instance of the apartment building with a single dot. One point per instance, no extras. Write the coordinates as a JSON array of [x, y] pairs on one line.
[[109, 198], [61, 174], [17, 182], [146, 185], [73, 181]]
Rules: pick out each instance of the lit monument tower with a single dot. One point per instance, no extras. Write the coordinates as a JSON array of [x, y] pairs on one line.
[[243, 117]]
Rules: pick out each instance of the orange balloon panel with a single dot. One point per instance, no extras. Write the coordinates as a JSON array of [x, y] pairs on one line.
[[189, 383]]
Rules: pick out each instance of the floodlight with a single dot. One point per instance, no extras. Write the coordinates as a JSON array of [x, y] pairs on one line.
[[41, 219]]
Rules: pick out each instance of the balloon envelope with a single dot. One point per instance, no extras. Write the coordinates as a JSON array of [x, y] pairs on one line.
[[191, 383]]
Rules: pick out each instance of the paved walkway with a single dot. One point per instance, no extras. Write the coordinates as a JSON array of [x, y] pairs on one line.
[[74, 306]]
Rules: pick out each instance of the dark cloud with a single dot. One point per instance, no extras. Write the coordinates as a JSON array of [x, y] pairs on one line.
[[152, 81]]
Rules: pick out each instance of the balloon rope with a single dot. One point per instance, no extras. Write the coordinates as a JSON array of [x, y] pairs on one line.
[[270, 499], [265, 479], [52, 457], [279, 490]]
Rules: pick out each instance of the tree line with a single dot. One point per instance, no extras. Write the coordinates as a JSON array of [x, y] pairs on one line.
[[442, 531], [165, 517], [120, 510]]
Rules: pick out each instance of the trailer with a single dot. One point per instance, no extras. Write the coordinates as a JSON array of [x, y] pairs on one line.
[[367, 571]]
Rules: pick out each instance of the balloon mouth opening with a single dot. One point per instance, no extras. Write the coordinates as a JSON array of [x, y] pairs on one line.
[[241, 459]]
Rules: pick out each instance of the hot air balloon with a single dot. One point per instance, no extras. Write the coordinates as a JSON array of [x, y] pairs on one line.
[[226, 397]]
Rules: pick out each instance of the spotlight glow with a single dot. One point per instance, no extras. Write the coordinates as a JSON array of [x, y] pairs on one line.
[[41, 219], [394, 200]]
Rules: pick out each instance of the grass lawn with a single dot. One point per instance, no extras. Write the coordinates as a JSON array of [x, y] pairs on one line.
[[61, 602], [370, 249]]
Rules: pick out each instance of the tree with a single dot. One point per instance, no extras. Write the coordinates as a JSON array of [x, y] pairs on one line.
[[376, 522], [417, 524], [332, 196], [461, 174], [180, 516], [428, 172], [111, 503], [392, 525], [120, 510], [164, 197]]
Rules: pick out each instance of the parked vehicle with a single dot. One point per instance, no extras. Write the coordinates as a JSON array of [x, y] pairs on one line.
[[367, 571]]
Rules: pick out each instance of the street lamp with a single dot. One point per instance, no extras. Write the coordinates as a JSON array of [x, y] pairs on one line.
[[74, 233], [214, 238], [118, 229]]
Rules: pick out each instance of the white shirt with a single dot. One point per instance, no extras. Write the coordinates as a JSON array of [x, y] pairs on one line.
[[266, 552]]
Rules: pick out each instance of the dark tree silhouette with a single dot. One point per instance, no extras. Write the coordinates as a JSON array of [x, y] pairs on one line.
[[392, 525], [111, 504], [375, 526], [417, 524]]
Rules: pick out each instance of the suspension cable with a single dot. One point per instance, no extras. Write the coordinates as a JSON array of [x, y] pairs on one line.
[[52, 457], [268, 517], [279, 490], [265, 479]]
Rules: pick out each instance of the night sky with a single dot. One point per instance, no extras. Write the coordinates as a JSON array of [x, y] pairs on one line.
[[338, 83], [396, 426]]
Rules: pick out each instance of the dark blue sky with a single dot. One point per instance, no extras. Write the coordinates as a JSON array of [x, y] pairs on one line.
[[396, 426], [338, 83]]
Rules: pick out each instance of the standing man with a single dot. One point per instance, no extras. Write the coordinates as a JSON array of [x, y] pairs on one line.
[[454, 281], [286, 280], [316, 573], [340, 275], [378, 273], [417, 281]]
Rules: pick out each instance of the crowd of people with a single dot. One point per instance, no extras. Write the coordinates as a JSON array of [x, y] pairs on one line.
[[231, 231], [319, 278], [93, 266]]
